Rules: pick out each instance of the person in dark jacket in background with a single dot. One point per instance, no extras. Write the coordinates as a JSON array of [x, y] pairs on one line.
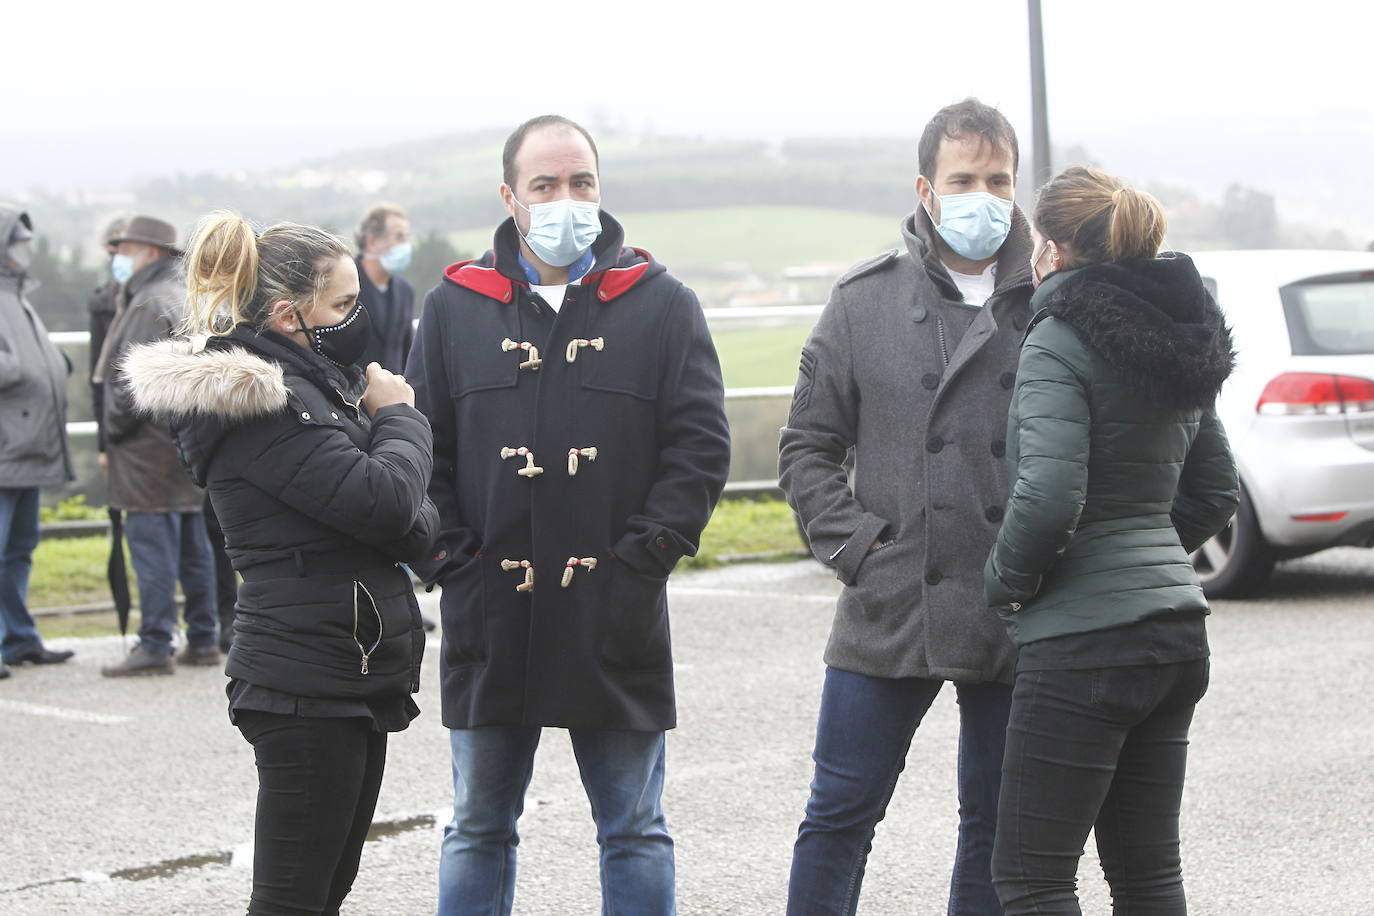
[[33, 440], [103, 306], [384, 250], [166, 533], [1121, 469], [580, 446], [320, 489]]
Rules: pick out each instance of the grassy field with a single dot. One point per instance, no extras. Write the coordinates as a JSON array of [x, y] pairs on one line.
[[70, 571], [753, 356], [745, 526]]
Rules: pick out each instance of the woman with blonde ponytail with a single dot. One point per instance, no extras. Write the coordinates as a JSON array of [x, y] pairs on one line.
[[1120, 469], [318, 476]]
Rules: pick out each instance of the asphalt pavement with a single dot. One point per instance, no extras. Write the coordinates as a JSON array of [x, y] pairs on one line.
[[136, 796]]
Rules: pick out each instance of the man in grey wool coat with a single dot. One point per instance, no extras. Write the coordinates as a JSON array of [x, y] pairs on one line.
[[912, 365]]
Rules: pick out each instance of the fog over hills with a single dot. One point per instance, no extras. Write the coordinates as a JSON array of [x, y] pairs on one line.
[[449, 181]]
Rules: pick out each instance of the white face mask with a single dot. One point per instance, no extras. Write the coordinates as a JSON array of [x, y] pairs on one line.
[[561, 230]]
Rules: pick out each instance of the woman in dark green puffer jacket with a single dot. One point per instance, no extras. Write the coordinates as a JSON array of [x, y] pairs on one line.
[[1120, 470]]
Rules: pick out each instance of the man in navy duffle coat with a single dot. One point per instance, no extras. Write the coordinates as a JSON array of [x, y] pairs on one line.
[[580, 446]]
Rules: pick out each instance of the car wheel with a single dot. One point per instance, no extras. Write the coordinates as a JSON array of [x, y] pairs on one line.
[[1238, 561]]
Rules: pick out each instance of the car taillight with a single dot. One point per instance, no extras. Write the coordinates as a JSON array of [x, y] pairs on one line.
[[1311, 393]]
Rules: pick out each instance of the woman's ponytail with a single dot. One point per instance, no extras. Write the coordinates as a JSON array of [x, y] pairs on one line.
[[1099, 217], [1136, 229], [221, 274]]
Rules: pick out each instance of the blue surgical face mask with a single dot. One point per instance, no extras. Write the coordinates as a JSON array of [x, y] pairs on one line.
[[974, 224], [396, 258], [122, 268], [561, 230]]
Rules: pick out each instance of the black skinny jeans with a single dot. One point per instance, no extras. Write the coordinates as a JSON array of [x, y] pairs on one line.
[[1102, 748], [318, 781]]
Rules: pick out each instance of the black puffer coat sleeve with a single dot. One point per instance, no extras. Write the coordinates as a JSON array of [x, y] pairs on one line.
[[375, 496], [694, 446], [1208, 489]]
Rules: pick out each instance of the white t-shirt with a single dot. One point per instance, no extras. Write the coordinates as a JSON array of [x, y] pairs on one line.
[[553, 295], [975, 288]]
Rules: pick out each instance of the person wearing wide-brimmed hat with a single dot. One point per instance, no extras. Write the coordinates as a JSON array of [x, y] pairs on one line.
[[166, 533]]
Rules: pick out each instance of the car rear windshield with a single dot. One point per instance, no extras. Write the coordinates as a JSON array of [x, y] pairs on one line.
[[1331, 315]]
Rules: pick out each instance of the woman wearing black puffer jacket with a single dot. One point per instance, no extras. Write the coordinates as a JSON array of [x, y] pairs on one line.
[[1120, 469], [320, 493]]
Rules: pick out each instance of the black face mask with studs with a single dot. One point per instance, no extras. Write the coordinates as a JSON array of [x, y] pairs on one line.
[[343, 344]]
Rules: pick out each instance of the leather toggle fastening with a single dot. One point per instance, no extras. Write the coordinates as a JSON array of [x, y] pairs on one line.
[[589, 453], [577, 343], [528, 567], [534, 362], [573, 563], [529, 470]]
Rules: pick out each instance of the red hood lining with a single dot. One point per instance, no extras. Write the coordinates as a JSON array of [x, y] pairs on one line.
[[490, 282]]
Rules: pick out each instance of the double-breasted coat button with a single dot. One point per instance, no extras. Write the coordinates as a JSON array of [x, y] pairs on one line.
[[999, 448], [933, 577], [994, 513], [930, 381], [934, 444], [1008, 379]]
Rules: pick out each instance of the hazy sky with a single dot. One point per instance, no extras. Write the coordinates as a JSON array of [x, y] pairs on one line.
[[1276, 96]]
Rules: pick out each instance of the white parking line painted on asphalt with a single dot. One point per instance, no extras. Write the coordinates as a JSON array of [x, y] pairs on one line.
[[707, 592], [58, 712]]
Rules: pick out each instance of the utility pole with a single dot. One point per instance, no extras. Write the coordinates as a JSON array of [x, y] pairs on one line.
[[1042, 167]]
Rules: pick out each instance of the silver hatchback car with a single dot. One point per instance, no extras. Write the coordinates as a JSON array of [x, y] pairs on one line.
[[1299, 410]]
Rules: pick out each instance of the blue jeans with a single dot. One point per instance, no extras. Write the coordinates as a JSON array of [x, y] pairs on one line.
[[165, 547], [865, 730], [622, 773], [18, 538]]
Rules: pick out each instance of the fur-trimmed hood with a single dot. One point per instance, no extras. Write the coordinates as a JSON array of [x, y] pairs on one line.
[[174, 379], [1152, 320], [203, 393]]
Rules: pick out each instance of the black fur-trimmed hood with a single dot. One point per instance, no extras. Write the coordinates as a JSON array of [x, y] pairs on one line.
[[1152, 320]]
